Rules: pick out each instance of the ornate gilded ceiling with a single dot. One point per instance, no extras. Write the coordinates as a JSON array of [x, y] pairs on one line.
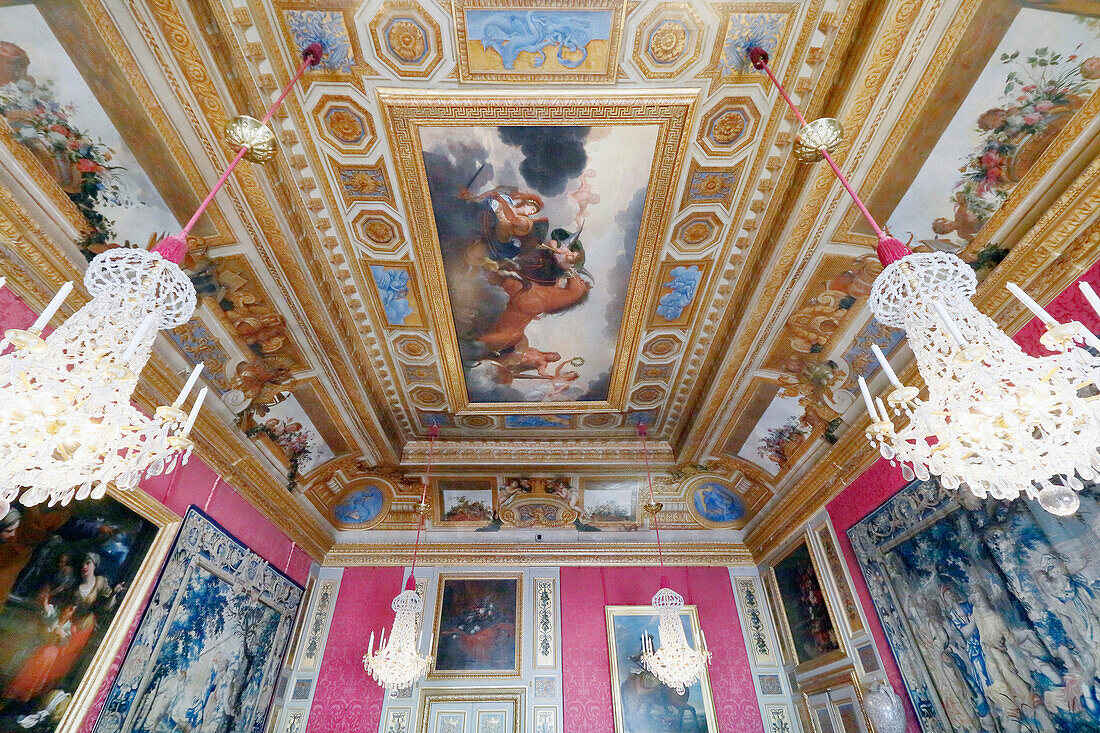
[[535, 225]]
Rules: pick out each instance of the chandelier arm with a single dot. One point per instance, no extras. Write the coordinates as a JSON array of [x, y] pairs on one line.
[[175, 247], [643, 431]]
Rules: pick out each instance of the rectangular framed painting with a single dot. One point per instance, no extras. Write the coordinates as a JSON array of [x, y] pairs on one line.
[[641, 704], [990, 607], [538, 221], [478, 619], [464, 502], [610, 501], [207, 653], [72, 579], [812, 634], [524, 41]]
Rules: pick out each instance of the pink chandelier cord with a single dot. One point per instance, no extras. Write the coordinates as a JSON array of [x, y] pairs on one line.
[[174, 247], [289, 555], [433, 433], [643, 431], [889, 249], [206, 505]]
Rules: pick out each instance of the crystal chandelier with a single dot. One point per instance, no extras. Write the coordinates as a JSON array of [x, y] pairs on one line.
[[996, 420], [398, 663], [674, 662], [67, 425]]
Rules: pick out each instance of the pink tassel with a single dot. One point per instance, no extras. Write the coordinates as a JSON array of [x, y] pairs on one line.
[[172, 248], [890, 250]]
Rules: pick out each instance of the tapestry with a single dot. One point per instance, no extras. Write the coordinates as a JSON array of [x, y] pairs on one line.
[[64, 572], [991, 608], [208, 650]]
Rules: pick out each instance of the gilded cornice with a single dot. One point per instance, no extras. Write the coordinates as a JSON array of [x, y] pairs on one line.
[[496, 453], [722, 554]]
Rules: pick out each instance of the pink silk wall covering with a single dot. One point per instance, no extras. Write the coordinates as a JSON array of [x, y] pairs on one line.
[[586, 667], [196, 483], [881, 481], [346, 699]]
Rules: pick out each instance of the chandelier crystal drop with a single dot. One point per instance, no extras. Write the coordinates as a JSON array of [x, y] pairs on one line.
[[674, 663], [996, 420], [67, 425], [398, 663]]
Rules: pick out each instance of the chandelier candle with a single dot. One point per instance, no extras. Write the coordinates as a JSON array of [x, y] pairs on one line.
[[996, 420]]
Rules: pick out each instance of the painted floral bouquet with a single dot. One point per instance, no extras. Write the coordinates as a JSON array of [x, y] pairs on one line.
[[77, 163], [1040, 96], [292, 437]]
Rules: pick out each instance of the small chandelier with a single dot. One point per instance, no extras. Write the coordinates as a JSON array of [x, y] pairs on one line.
[[674, 662], [398, 663], [996, 420], [67, 425]]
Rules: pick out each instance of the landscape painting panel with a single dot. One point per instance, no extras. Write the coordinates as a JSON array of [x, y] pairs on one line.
[[477, 625], [812, 630], [538, 227], [641, 703], [992, 608], [611, 500], [208, 650], [55, 114], [1044, 69], [64, 572]]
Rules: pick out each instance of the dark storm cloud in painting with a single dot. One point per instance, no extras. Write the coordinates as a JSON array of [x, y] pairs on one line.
[[552, 155]]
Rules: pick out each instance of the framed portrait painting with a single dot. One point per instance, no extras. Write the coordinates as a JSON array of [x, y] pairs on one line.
[[811, 633], [641, 703], [72, 579], [207, 653], [477, 625]]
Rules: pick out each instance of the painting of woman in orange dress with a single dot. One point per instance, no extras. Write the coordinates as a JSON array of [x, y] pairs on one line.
[[64, 572]]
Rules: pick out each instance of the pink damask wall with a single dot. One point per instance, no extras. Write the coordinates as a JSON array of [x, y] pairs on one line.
[[346, 700], [586, 667], [198, 484], [881, 481]]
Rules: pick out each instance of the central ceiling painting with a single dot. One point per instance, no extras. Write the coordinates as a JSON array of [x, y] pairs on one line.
[[538, 222]]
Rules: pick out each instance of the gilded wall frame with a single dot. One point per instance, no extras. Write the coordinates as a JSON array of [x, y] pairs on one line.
[[406, 113], [615, 613], [167, 523], [517, 661], [780, 610], [514, 698]]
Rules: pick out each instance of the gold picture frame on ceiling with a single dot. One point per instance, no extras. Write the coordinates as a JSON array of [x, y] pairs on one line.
[[659, 121], [497, 46], [167, 523]]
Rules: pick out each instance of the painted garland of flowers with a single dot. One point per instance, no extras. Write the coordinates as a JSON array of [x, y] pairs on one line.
[[79, 164], [292, 438], [1040, 96], [780, 442]]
